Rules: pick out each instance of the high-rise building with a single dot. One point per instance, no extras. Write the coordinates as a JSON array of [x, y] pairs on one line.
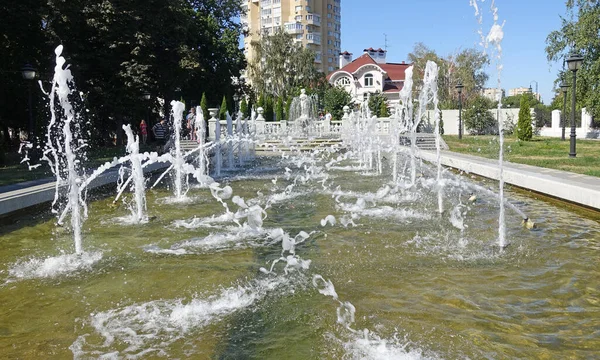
[[316, 24]]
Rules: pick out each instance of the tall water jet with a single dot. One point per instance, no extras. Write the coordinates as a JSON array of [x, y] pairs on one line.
[[217, 147], [407, 111], [494, 38], [64, 150], [230, 142], [178, 161], [200, 127], [137, 174]]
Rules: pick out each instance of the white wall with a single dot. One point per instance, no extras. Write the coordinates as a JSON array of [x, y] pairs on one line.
[[450, 118]]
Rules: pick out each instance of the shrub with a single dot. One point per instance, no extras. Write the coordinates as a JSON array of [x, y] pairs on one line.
[[479, 120], [524, 128]]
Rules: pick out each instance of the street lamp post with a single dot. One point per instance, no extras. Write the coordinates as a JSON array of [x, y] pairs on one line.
[[535, 96], [459, 87], [147, 97], [574, 62], [564, 87], [28, 73]]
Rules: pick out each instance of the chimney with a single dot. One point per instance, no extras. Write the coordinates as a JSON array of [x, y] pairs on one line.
[[380, 55], [345, 59]]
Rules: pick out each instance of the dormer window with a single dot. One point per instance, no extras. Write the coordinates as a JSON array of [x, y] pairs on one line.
[[368, 80]]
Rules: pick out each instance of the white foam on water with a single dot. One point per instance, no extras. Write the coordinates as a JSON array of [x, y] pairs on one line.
[[184, 199], [366, 346], [207, 222], [151, 327], [130, 219], [52, 267], [235, 239], [384, 212]]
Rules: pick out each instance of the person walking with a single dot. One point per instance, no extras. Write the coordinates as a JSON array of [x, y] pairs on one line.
[[160, 133], [144, 131]]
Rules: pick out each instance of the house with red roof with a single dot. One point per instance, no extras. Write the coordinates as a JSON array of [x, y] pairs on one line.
[[369, 73]]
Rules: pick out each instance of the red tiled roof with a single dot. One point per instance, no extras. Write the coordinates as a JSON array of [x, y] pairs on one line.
[[395, 71], [354, 65]]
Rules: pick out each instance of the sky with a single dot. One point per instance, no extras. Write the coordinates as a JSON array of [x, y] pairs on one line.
[[447, 26]]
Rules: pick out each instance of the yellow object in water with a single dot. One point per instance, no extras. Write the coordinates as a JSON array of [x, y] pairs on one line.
[[528, 223]]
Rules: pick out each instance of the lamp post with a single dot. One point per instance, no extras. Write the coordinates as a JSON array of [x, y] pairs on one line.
[[28, 73], [147, 97], [574, 62], [535, 95], [459, 87], [564, 87]]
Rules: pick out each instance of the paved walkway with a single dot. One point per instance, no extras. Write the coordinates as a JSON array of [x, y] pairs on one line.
[[576, 188], [30, 193]]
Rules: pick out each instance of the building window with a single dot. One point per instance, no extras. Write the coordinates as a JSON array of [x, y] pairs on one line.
[[329, 6], [330, 68], [308, 8], [368, 80], [365, 96], [343, 81], [298, 8]]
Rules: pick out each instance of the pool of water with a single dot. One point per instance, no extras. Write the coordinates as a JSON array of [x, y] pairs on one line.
[[189, 284]]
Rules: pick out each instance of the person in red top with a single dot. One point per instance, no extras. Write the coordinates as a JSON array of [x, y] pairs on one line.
[[144, 131]]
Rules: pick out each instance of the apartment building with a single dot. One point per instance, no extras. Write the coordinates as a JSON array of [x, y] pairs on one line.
[[316, 24]]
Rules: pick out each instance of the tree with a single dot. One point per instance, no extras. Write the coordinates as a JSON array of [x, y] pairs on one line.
[[466, 67], [269, 111], [279, 109], [377, 103], [204, 106], [579, 32], [383, 110], [244, 108], [513, 102], [335, 99], [223, 109], [280, 65], [441, 122], [478, 119], [524, 128], [117, 50]]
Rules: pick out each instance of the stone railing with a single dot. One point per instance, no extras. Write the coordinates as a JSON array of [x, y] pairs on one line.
[[262, 129]]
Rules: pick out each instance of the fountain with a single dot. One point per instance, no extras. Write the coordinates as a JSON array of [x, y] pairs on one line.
[[323, 254]]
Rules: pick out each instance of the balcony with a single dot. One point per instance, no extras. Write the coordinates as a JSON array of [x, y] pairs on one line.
[[313, 19], [294, 28], [313, 39]]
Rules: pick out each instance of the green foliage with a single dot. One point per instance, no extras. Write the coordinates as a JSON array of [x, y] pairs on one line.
[[377, 104], [117, 50], [513, 102], [281, 65], [441, 123], [244, 108], [524, 128], [223, 109], [334, 99], [383, 110], [478, 119], [279, 109], [269, 111], [543, 115], [467, 67], [261, 101], [579, 32], [204, 106]]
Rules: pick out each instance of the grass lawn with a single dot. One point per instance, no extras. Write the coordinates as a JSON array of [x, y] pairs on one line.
[[544, 152], [15, 173]]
